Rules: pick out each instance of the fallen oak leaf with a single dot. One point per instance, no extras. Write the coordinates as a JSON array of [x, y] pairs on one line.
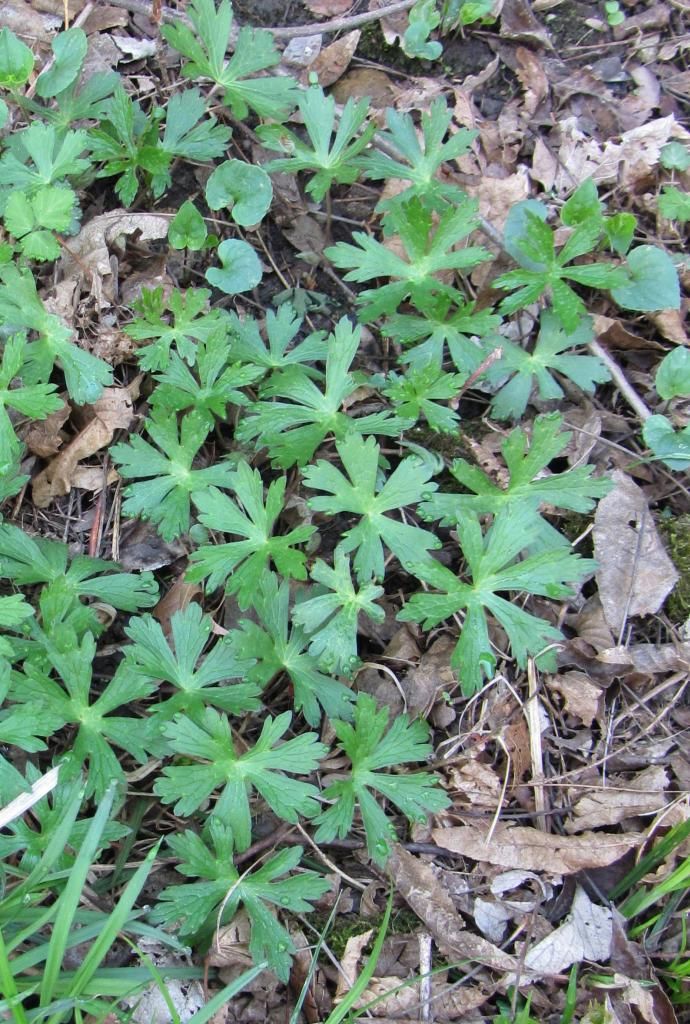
[[533, 850]]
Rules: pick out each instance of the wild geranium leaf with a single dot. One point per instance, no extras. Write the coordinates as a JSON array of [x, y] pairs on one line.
[[331, 151], [240, 269], [243, 562], [528, 485], [279, 645], [467, 332], [178, 661], [332, 615], [277, 352], [40, 155], [187, 228], [30, 560], [209, 386], [363, 495], [267, 767], [16, 60], [293, 430], [127, 143], [192, 321], [188, 132], [673, 374], [32, 218], [428, 248], [419, 394], [493, 569], [243, 188], [69, 50], [164, 476], [531, 242], [371, 744], [527, 369], [671, 446], [420, 161], [193, 908], [36, 401], [82, 101], [69, 697], [652, 281], [22, 309], [14, 610], [253, 51]]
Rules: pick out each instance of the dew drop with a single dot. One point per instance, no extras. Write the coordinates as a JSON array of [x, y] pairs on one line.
[[381, 847]]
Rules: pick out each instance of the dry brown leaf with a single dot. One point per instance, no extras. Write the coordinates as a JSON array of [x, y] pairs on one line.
[[432, 904], [533, 850], [141, 547], [24, 19], [179, 597], [619, 799], [334, 60], [635, 573], [43, 437], [231, 943], [585, 934], [532, 78], [591, 625], [670, 323], [349, 962], [393, 26], [649, 658], [614, 334], [423, 684], [308, 238], [544, 165], [653, 17], [476, 784], [370, 82], [519, 24], [582, 697], [90, 250], [113, 411]]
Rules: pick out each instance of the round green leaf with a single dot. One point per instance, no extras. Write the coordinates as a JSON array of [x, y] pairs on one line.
[[187, 229], [240, 271], [669, 445], [246, 190], [673, 375], [16, 60], [653, 281], [70, 50]]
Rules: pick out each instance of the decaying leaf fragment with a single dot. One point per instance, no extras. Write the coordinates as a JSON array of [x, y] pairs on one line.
[[635, 573], [584, 935]]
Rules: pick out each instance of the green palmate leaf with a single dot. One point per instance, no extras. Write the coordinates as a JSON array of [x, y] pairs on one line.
[[205, 47], [467, 332], [126, 142], [673, 374], [674, 204], [278, 645], [165, 477], [30, 560], [293, 430], [528, 485], [428, 250], [35, 401], [69, 698], [14, 611], [531, 242], [40, 155], [584, 207], [420, 160], [332, 615], [69, 50], [674, 156], [16, 60], [278, 351], [364, 496], [671, 446], [21, 309], [188, 133], [197, 908], [178, 661], [209, 387], [527, 369], [372, 744], [493, 569], [187, 228], [191, 321], [268, 768], [652, 281], [331, 151], [420, 391], [32, 218], [243, 188], [240, 269], [243, 562], [423, 18]]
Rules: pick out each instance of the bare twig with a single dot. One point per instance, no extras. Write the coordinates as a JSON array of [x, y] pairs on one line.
[[624, 386]]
